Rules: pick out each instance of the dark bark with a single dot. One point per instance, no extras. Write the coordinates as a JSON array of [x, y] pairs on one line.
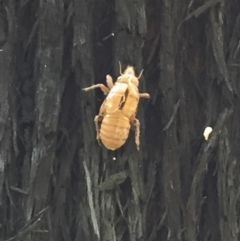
[[57, 183]]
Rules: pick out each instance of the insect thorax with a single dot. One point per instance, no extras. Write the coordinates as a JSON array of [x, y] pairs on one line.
[[128, 79]]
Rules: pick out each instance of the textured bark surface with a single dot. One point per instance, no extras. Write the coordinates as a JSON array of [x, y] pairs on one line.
[[57, 183]]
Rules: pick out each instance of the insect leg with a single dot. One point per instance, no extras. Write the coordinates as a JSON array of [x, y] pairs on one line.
[[104, 89], [144, 95], [96, 121], [109, 81], [136, 123]]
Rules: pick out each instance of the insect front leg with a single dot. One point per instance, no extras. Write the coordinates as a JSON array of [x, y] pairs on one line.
[[109, 81], [136, 123], [104, 89]]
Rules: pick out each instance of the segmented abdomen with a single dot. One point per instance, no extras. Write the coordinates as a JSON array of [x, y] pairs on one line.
[[114, 130]]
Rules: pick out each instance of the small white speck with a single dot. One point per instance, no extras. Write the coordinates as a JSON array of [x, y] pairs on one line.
[[45, 65], [112, 34], [208, 130], [114, 158]]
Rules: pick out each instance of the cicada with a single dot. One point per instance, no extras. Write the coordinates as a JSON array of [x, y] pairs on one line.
[[118, 111]]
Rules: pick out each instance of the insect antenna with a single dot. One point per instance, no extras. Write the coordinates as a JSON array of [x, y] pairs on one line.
[[120, 67], [140, 75]]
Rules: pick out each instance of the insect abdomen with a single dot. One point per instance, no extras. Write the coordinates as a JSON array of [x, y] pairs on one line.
[[114, 130]]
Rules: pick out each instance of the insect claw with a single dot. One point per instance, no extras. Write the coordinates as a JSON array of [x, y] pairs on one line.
[[98, 139], [144, 95]]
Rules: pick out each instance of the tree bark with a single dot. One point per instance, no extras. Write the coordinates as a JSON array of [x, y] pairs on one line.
[[57, 182]]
